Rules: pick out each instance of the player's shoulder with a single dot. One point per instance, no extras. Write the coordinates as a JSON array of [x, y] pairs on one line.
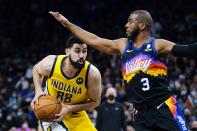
[[94, 69], [163, 41], [50, 57], [48, 60], [163, 46], [122, 42], [45, 65], [94, 72], [159, 40]]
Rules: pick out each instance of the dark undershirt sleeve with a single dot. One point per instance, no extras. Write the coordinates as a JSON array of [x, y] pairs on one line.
[[185, 50]]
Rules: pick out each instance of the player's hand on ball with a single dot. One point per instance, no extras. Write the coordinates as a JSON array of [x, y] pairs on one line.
[[36, 97], [58, 16], [65, 110]]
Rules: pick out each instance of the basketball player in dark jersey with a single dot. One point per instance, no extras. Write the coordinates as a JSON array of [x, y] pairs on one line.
[[144, 70]]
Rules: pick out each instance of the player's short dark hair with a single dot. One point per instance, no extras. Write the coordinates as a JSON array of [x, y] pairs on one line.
[[73, 40], [144, 17]]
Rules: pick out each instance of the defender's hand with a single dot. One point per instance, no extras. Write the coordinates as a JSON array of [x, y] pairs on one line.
[[58, 16], [36, 97], [65, 110]]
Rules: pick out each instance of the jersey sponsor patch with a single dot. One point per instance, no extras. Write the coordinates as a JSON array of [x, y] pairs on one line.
[[79, 81]]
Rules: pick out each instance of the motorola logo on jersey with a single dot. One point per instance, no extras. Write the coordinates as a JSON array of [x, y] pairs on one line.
[[138, 64], [79, 81]]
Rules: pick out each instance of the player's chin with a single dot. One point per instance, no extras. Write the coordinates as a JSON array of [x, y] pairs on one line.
[[128, 34], [81, 62]]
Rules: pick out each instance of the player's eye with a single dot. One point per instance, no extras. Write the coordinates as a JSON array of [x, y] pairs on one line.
[[77, 50], [85, 50], [131, 21]]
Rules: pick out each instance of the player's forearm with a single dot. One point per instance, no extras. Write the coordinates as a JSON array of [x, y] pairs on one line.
[[37, 79], [84, 106]]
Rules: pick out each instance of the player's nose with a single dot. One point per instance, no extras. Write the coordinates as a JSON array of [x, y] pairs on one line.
[[81, 55]]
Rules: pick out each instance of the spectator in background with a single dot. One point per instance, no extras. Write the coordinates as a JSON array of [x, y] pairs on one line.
[[194, 126], [110, 115]]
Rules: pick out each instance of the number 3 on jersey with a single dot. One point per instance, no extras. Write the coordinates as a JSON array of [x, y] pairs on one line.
[[145, 84], [64, 97]]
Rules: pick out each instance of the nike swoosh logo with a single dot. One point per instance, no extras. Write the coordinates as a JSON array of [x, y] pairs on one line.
[[129, 50], [159, 106], [148, 49]]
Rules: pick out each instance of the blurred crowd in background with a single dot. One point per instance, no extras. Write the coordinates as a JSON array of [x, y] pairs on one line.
[[28, 34]]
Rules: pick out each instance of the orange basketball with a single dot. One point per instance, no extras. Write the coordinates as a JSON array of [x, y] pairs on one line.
[[47, 108]]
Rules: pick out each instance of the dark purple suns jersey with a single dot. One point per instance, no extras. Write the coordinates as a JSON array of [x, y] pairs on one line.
[[144, 74]]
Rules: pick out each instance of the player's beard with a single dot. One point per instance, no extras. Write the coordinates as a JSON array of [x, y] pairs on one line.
[[134, 34], [76, 64]]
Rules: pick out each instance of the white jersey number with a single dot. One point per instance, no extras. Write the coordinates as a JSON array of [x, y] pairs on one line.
[[145, 83]]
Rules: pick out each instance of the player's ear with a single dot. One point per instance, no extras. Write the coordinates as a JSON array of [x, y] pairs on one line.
[[67, 51], [142, 26]]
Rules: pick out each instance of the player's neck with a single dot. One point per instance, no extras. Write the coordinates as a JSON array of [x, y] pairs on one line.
[[68, 69], [141, 38]]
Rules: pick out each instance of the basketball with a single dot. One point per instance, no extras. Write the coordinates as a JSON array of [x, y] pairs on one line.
[[47, 108]]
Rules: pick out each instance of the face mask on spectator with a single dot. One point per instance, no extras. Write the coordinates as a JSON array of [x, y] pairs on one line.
[[111, 97]]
